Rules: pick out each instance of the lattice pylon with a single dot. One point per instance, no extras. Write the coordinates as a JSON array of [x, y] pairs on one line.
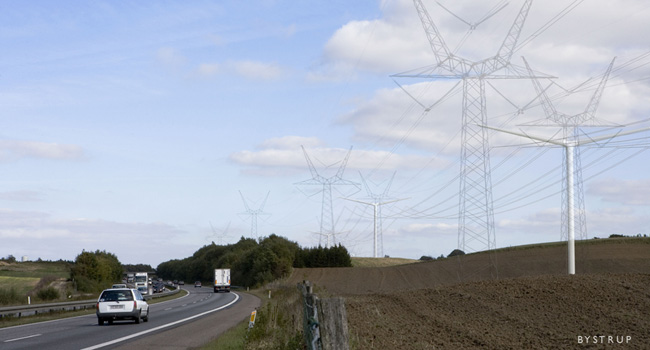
[[476, 216]]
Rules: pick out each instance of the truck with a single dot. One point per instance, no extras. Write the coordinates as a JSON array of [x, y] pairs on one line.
[[222, 280], [142, 282]]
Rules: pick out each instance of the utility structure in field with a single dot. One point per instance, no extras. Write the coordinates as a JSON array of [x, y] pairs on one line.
[[570, 128], [254, 213], [476, 215], [570, 145], [377, 201], [327, 227], [221, 236]]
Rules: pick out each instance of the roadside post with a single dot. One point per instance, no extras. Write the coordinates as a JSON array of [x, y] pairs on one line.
[[251, 323]]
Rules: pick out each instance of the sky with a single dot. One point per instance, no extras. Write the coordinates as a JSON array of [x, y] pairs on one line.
[[150, 129]]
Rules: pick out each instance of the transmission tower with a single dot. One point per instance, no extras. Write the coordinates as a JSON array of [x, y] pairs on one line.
[[571, 125], [221, 236], [377, 202], [570, 145], [327, 226], [254, 213], [476, 215]]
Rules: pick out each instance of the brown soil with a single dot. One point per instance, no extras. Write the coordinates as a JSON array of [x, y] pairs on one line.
[[515, 299]]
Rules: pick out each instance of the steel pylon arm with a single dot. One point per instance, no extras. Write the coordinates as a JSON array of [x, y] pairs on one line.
[[590, 111], [438, 46]]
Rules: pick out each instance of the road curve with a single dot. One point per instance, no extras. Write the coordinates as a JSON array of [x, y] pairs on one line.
[[179, 324]]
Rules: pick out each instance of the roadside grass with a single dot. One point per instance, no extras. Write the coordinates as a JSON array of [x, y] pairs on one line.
[[233, 339], [36, 269], [20, 285], [278, 324]]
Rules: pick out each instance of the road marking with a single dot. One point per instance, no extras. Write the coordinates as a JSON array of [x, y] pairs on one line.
[[22, 338], [161, 327]]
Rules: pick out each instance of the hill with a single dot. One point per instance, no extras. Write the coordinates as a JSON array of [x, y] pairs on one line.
[[514, 298]]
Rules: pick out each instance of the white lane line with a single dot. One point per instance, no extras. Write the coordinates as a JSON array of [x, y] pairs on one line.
[[22, 338], [161, 327]]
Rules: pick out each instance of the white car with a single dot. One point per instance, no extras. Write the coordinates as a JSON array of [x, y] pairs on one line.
[[121, 304]]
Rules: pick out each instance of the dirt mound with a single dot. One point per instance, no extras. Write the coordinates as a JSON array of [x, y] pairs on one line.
[[520, 298]]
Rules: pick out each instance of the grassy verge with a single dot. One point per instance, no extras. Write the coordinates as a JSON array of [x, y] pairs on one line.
[[233, 339], [278, 324]]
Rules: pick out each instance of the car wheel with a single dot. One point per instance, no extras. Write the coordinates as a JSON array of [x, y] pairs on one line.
[[100, 321], [137, 318], [146, 317]]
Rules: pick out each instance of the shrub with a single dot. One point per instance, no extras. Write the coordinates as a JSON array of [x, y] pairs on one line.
[[456, 252], [49, 293], [9, 296]]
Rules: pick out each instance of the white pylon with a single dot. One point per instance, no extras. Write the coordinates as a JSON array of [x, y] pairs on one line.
[[377, 201], [570, 129], [569, 146]]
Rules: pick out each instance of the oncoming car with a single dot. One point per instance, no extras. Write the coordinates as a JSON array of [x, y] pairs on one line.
[[121, 304]]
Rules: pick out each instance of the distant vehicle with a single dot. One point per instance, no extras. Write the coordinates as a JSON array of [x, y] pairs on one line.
[[197, 284], [158, 288], [121, 304], [221, 280], [119, 285], [141, 282], [175, 281], [181, 283]]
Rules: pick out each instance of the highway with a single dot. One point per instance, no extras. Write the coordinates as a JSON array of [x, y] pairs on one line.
[[84, 333]]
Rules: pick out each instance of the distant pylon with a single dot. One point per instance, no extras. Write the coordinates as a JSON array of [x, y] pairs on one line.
[[377, 202], [327, 227], [254, 214], [221, 236]]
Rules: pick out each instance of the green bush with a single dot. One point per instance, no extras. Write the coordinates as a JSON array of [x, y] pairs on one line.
[[48, 293], [9, 296]]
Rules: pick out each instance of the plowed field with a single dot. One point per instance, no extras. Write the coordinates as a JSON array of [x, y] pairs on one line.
[[516, 299]]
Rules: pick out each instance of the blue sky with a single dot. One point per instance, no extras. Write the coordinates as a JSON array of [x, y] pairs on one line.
[[133, 126]]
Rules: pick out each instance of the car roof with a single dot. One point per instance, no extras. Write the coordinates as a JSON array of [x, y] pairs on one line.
[[118, 289]]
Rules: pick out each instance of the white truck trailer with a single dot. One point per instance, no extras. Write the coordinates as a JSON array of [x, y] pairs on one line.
[[222, 280], [141, 282]]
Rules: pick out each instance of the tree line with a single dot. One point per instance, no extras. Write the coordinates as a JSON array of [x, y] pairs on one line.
[[253, 263]]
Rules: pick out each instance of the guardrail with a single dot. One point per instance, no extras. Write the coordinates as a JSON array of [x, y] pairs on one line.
[[25, 310]]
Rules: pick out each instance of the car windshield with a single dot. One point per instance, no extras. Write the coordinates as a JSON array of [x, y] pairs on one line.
[[116, 295]]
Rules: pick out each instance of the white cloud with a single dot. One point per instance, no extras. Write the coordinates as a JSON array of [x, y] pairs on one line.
[[54, 238], [291, 142], [13, 150], [256, 70], [21, 196], [251, 70], [279, 153], [624, 192], [170, 56], [208, 69]]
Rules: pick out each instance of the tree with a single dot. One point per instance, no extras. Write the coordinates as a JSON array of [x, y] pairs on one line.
[[96, 271]]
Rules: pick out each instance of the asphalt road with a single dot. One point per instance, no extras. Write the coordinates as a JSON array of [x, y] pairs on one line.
[[168, 320]]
